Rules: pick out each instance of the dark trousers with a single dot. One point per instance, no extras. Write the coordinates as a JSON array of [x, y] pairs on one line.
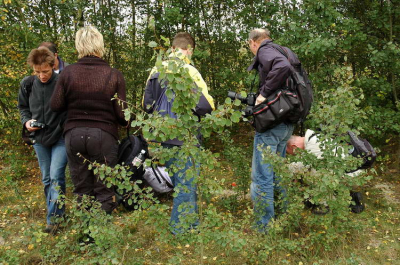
[[92, 144]]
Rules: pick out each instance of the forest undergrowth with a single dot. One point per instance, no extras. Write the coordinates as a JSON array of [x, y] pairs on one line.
[[139, 237]]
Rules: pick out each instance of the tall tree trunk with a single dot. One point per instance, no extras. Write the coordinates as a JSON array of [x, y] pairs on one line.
[[133, 6], [391, 40]]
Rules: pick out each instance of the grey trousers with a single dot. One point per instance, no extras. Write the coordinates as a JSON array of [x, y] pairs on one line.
[[92, 144]]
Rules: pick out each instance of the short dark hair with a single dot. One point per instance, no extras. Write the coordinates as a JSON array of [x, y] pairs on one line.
[[49, 45], [40, 56], [183, 40]]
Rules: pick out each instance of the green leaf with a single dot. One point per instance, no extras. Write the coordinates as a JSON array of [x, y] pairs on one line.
[[153, 44]]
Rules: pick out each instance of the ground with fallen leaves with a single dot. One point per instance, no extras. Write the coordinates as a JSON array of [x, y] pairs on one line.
[[22, 214]]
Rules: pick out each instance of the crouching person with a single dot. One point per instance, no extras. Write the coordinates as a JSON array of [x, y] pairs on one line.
[[45, 128], [311, 143], [185, 202], [85, 90]]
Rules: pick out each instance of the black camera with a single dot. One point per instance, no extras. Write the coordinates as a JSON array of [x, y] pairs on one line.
[[250, 101], [36, 124]]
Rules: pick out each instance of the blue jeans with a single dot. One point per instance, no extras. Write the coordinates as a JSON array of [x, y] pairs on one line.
[[262, 175], [52, 163], [183, 215]]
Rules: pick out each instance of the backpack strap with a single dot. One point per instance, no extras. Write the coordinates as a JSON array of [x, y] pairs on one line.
[[281, 50], [27, 88], [155, 173], [28, 84]]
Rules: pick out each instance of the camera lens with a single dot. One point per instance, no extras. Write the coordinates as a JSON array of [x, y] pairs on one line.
[[232, 94]]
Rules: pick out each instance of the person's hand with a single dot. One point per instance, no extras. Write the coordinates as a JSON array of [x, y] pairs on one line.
[[29, 128], [260, 99]]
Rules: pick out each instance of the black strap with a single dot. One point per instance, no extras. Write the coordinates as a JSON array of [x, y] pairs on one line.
[[28, 84], [312, 135], [159, 175], [252, 83], [27, 87], [155, 174], [281, 50], [27, 136], [303, 131]]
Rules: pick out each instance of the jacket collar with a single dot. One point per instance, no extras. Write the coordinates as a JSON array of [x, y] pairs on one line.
[[179, 55], [61, 64], [53, 76], [255, 62], [92, 60]]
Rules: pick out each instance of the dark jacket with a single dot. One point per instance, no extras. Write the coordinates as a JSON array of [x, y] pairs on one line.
[[86, 89], [36, 106], [154, 96], [62, 64], [272, 66]]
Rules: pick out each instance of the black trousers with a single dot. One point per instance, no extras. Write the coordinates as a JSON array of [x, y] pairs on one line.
[[92, 144]]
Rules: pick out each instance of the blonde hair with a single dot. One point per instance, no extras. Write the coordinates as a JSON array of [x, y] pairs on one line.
[[259, 34], [89, 41]]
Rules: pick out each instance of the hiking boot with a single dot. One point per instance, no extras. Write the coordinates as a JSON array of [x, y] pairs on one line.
[[51, 229]]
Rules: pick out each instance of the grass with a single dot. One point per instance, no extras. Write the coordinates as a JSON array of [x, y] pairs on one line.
[[141, 237]]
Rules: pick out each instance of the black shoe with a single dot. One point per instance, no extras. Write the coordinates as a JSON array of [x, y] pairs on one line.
[[86, 239], [320, 210], [358, 205]]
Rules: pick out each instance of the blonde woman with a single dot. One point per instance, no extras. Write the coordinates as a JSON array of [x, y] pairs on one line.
[[85, 90]]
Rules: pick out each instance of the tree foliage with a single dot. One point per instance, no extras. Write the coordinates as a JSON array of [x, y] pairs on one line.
[[327, 35]]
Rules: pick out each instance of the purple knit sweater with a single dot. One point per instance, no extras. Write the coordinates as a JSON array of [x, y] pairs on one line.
[[85, 90]]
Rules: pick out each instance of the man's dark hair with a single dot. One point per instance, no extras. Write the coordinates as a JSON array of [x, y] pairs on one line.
[[183, 40], [49, 45]]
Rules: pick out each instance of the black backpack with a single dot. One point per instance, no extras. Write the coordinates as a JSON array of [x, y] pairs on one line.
[[299, 83], [362, 149], [128, 149]]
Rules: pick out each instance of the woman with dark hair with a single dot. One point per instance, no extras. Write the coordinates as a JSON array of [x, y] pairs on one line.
[[46, 129], [85, 89]]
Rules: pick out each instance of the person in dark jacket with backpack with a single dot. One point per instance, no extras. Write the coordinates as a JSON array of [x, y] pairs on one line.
[[273, 70], [86, 90], [34, 107]]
